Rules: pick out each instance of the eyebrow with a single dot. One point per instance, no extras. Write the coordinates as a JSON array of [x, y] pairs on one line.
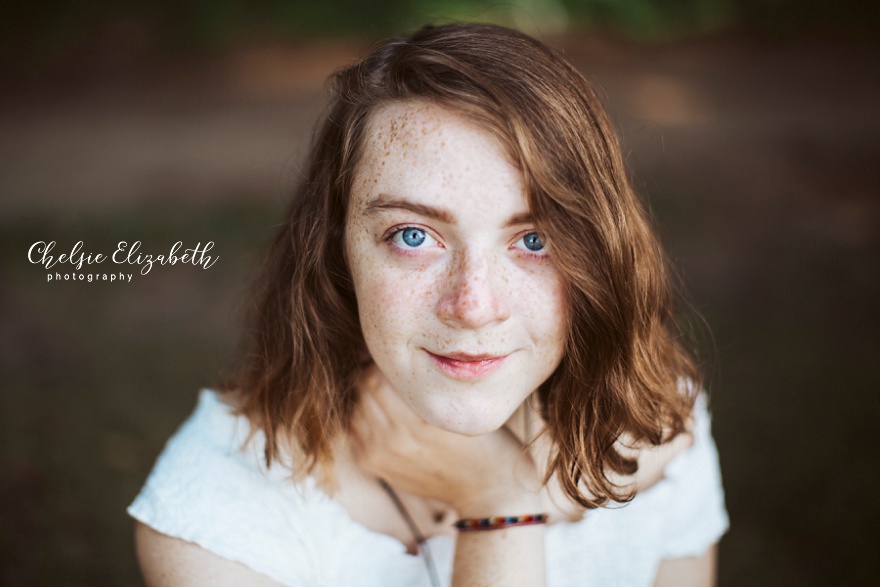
[[386, 202]]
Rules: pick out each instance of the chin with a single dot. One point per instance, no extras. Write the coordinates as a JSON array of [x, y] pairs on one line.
[[471, 430], [465, 418]]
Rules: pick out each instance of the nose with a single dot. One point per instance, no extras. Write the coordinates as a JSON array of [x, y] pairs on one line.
[[471, 297]]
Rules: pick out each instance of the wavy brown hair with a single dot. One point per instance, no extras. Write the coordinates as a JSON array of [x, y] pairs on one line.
[[622, 367]]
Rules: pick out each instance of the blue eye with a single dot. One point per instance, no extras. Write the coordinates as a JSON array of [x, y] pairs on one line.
[[413, 237], [533, 242]]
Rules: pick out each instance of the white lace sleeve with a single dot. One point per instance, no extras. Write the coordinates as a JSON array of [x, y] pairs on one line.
[[205, 489], [696, 517]]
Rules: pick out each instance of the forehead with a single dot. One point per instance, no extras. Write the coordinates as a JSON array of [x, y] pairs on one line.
[[418, 127], [417, 148], [407, 121]]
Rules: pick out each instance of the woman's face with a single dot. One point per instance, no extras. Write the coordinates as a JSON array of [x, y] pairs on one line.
[[461, 308]]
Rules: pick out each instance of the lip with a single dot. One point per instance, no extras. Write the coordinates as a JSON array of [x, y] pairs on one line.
[[465, 366]]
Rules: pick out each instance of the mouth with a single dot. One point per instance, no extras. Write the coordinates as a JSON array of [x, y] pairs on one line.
[[467, 367]]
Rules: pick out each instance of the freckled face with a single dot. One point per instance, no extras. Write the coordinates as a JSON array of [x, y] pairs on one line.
[[460, 306]]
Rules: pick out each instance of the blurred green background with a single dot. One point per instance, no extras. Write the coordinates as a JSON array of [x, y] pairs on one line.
[[751, 129]]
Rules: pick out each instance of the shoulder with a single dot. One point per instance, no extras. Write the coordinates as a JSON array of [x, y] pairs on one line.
[[211, 498], [206, 462], [691, 494], [679, 487], [168, 561]]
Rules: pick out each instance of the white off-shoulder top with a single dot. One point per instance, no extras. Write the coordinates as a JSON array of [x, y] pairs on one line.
[[209, 489]]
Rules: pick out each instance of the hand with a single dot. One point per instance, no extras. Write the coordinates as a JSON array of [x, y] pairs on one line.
[[478, 476]]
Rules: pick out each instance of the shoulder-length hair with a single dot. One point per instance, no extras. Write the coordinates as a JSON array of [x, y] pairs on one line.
[[622, 367]]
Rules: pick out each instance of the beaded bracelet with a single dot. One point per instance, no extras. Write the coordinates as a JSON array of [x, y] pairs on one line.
[[498, 522]]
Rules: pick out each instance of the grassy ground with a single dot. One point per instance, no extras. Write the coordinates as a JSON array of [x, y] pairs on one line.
[[758, 159]]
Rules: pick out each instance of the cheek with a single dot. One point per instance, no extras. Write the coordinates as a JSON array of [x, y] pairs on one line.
[[549, 318], [393, 306], [379, 314]]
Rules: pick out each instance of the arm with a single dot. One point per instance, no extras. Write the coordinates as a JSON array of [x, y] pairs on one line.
[[171, 562], [478, 477], [500, 557], [512, 556], [692, 571]]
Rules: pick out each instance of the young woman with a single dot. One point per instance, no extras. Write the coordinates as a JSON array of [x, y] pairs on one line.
[[463, 364]]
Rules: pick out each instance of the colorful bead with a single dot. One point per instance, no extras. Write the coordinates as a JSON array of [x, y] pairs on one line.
[[499, 522]]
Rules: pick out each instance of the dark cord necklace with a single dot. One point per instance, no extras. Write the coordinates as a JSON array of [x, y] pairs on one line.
[[421, 541]]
